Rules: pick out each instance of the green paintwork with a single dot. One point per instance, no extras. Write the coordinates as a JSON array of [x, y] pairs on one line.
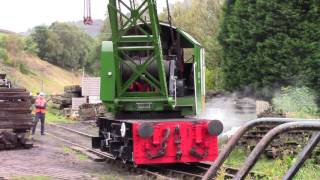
[[119, 36], [107, 74], [114, 90]]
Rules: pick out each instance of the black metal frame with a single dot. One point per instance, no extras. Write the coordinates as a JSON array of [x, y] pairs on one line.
[[283, 125]]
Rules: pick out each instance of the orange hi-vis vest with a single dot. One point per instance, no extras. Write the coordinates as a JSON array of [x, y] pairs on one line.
[[40, 105]]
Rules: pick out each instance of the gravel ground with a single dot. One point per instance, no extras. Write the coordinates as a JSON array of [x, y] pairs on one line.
[[50, 158]]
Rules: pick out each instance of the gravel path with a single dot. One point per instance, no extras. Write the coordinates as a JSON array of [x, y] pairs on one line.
[[49, 158]]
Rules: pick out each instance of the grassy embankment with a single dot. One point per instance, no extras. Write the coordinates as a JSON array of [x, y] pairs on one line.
[[37, 71], [29, 71]]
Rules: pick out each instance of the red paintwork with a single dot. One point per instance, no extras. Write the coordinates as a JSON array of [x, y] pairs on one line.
[[193, 133]]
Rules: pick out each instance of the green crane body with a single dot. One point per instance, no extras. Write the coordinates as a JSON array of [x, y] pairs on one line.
[[121, 53]]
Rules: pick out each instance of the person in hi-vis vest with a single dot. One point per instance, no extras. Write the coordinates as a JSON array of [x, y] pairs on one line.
[[40, 105]]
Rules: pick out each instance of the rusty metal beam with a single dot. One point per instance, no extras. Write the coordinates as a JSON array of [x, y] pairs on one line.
[[303, 156], [235, 138], [254, 155]]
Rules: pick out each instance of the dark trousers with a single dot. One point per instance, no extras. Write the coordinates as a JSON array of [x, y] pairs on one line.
[[39, 116]]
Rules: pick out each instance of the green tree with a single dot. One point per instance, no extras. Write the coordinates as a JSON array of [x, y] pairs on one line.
[[270, 42], [93, 64], [40, 35], [201, 20], [63, 44], [30, 45]]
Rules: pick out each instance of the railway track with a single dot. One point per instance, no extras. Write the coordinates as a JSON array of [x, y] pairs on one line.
[[192, 171]]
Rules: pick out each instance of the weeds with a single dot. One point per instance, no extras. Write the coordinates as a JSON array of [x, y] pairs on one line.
[[299, 102], [24, 69], [274, 168], [78, 155], [53, 117], [32, 178]]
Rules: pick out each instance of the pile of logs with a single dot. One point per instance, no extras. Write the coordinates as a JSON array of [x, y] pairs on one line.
[[15, 117], [60, 102], [89, 112]]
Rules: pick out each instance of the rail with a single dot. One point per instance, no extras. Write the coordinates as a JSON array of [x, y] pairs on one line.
[[280, 122]]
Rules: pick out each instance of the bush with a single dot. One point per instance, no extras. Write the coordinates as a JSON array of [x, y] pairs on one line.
[[214, 80], [30, 45], [298, 102], [23, 69], [3, 55]]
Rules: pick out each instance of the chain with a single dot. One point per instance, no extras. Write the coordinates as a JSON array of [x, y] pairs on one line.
[[170, 23], [163, 148]]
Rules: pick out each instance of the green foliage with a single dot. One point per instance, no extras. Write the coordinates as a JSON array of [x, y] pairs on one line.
[[30, 45], [32, 178], [298, 101], [78, 155], [12, 43], [23, 69], [201, 20], [271, 42], [3, 55], [40, 35], [53, 116], [63, 44], [274, 168], [93, 64], [214, 80]]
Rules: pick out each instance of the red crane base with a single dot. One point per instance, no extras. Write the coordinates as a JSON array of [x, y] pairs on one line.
[[173, 142]]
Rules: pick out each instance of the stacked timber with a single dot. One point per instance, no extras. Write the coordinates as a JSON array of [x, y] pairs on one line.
[[15, 117], [63, 101], [89, 112]]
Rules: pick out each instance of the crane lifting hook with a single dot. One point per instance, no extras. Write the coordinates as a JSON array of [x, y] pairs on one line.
[[87, 20]]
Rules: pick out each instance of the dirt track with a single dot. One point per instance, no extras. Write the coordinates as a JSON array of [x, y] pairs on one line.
[[50, 158]]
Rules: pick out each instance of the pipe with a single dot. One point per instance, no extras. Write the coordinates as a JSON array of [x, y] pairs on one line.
[[223, 155], [303, 156], [254, 155]]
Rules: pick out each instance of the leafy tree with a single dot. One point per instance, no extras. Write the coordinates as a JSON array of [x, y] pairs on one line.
[[270, 42], [63, 44], [93, 63], [30, 45], [201, 20], [40, 35]]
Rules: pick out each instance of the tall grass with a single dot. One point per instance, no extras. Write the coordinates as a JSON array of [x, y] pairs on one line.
[[299, 102]]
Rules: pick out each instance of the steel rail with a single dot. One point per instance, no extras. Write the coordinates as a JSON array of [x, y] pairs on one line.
[[303, 156], [264, 142], [150, 172], [71, 130], [223, 155], [102, 154]]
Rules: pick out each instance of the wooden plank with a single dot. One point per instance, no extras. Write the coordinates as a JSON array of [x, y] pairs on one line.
[[12, 90], [21, 104], [10, 125], [14, 94], [19, 110], [15, 115]]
